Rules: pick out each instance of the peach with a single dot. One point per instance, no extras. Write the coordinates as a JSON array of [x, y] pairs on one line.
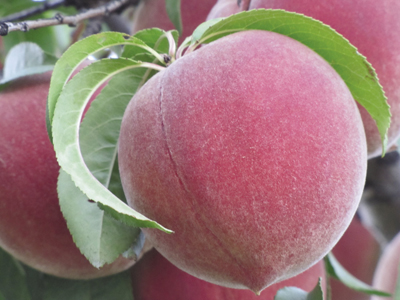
[[358, 252], [155, 278], [369, 25], [152, 13], [387, 271], [252, 150], [225, 8], [32, 227]]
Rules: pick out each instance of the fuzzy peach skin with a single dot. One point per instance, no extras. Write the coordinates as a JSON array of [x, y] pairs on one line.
[[32, 227], [372, 26], [387, 271], [252, 150], [225, 8], [358, 252], [155, 278], [152, 13]]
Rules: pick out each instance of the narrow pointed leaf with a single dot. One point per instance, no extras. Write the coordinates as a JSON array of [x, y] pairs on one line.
[[75, 55], [67, 116], [355, 70], [155, 38], [13, 285], [99, 237], [111, 287], [174, 13], [336, 270]]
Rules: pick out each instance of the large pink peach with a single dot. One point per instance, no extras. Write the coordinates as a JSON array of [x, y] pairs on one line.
[[32, 227], [152, 13], [370, 25], [252, 150], [155, 278]]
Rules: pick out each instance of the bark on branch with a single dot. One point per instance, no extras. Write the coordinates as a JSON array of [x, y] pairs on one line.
[[58, 19]]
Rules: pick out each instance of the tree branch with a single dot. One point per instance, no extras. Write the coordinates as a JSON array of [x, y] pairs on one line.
[[33, 11], [104, 10]]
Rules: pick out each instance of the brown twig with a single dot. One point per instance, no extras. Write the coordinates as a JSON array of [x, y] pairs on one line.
[[103, 10], [32, 11]]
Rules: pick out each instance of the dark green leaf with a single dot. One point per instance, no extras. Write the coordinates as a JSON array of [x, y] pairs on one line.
[[10, 7], [174, 13], [13, 284], [35, 283], [354, 69], [336, 270], [111, 287]]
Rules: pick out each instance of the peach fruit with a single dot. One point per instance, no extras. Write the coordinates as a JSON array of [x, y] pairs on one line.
[[358, 252], [252, 150], [32, 227], [369, 25], [155, 278], [152, 13], [387, 271]]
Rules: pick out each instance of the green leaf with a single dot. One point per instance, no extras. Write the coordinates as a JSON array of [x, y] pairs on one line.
[[174, 13], [76, 54], [10, 7], [202, 28], [100, 237], [354, 69], [291, 293], [336, 270], [26, 59], [115, 287], [66, 123], [111, 287], [99, 131], [35, 283], [13, 284], [155, 38]]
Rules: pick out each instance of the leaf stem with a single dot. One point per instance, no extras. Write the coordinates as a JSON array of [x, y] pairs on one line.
[[172, 46], [183, 46]]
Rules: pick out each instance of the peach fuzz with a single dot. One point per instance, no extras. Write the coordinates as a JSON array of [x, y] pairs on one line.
[[155, 278], [387, 271], [152, 13], [252, 150], [369, 25], [32, 227]]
